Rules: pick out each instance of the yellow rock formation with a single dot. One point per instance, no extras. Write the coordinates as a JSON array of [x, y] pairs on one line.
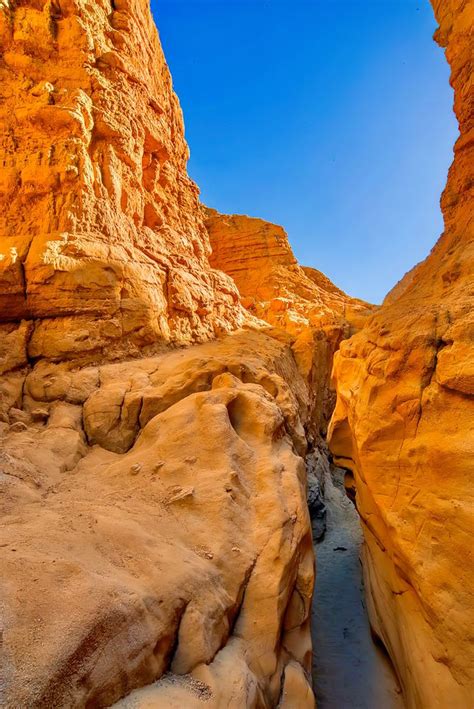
[[404, 424], [154, 508], [274, 287], [191, 553], [301, 302], [156, 544], [99, 220]]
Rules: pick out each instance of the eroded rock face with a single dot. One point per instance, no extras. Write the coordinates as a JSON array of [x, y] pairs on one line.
[[190, 553], [404, 424], [156, 531], [273, 285], [301, 302], [99, 221]]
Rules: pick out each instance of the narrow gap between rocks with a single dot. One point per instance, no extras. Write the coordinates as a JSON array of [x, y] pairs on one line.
[[349, 670]]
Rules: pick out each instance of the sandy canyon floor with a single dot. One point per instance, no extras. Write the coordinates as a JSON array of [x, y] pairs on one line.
[[349, 670]]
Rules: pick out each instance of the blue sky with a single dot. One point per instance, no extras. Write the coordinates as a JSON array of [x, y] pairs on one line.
[[332, 118]]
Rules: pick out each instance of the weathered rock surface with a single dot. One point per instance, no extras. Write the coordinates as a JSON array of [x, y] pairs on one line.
[[102, 239], [274, 287], [404, 424], [317, 470], [302, 302], [156, 543], [189, 553]]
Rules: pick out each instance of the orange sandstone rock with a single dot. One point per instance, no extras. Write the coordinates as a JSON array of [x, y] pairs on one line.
[[190, 553], [155, 520], [274, 287], [404, 424], [102, 242], [302, 302]]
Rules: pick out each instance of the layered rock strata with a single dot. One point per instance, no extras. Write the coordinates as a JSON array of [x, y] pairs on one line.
[[404, 425], [155, 529], [274, 287], [99, 221], [299, 301]]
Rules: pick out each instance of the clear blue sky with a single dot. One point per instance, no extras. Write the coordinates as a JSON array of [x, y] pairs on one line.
[[330, 117]]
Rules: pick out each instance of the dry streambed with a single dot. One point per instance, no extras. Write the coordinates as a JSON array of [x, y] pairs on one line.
[[349, 670]]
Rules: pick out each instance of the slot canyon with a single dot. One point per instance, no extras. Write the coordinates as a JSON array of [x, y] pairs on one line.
[[198, 434]]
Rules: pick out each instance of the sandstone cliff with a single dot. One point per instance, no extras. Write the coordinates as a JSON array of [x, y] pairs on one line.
[[99, 220], [274, 287], [302, 302], [156, 540], [404, 424]]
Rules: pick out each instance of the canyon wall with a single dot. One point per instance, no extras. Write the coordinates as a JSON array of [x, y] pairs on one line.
[[155, 535], [274, 287], [295, 300], [404, 426], [99, 220]]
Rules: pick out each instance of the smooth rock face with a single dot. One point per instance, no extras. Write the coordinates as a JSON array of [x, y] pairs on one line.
[[404, 424], [189, 554], [102, 239]]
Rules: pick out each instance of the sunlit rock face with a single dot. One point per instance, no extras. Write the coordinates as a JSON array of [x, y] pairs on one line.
[[155, 521], [99, 221], [404, 424], [156, 533], [301, 302], [273, 285]]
